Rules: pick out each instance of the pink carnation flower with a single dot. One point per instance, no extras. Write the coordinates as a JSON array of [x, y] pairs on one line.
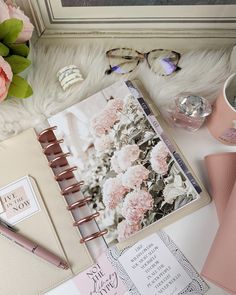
[[135, 205], [115, 104], [134, 176], [102, 143], [126, 230], [127, 155], [103, 122], [114, 163], [158, 158], [113, 191]]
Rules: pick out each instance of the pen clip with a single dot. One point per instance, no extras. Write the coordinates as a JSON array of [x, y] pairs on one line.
[[7, 225]]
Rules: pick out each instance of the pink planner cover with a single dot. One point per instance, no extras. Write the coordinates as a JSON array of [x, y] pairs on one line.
[[221, 169], [220, 266]]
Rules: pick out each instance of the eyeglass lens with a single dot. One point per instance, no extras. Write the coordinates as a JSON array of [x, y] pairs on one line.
[[123, 60]]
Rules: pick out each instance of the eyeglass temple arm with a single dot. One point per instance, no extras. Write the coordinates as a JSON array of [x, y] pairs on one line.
[[112, 69]]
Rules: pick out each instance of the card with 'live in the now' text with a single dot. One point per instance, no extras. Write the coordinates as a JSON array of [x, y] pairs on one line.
[[18, 201]]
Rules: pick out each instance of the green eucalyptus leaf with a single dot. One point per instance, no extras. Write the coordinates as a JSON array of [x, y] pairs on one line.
[[18, 63], [4, 50], [19, 87], [19, 49], [10, 29]]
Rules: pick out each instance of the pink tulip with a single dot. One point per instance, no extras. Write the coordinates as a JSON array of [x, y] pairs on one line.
[[26, 33], [5, 78], [4, 11]]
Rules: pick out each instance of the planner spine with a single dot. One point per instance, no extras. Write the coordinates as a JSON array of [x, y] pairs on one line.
[[51, 147]]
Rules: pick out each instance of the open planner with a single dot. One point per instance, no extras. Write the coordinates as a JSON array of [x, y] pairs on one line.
[[104, 169]]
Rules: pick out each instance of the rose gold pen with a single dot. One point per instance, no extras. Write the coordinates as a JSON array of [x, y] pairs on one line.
[[9, 232]]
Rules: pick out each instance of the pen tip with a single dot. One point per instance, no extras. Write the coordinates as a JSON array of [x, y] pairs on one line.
[[64, 265]]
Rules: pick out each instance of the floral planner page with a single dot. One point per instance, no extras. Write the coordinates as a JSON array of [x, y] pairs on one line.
[[131, 169]]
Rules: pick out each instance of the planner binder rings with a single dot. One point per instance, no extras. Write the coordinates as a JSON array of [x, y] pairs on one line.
[[58, 162]]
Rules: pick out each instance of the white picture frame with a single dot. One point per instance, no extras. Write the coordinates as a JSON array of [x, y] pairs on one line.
[[52, 19]]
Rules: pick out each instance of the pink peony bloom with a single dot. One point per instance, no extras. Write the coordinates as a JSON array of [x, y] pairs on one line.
[[103, 122], [26, 33], [160, 166], [5, 78], [127, 155], [102, 143], [126, 230], [113, 191], [158, 158], [115, 104], [135, 205], [133, 215], [134, 176], [114, 163], [4, 11], [97, 127], [160, 150]]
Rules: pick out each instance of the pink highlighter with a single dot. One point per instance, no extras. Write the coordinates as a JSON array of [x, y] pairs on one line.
[[9, 232]]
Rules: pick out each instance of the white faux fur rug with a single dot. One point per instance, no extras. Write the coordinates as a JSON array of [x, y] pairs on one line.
[[203, 72]]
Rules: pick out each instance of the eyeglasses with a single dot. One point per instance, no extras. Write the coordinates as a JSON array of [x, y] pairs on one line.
[[125, 60]]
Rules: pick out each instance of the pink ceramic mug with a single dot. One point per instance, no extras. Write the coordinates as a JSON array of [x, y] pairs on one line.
[[222, 121]]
